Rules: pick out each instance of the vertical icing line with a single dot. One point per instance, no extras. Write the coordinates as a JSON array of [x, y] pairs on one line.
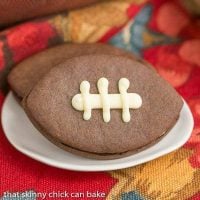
[[103, 91], [123, 87], [85, 92]]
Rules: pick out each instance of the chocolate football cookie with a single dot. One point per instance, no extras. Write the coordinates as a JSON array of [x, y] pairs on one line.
[[26, 74], [103, 106]]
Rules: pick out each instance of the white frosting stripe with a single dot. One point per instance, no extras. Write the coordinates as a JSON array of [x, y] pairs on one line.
[[85, 91], [103, 91], [123, 87], [125, 101]]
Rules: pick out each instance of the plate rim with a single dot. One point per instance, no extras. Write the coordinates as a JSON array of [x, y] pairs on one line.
[[94, 168]]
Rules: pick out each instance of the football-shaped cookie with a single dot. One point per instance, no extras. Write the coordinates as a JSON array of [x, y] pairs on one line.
[[103, 106], [26, 74]]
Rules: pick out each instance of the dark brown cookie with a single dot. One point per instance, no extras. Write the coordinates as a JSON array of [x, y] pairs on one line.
[[49, 106], [26, 74], [15, 11], [105, 156]]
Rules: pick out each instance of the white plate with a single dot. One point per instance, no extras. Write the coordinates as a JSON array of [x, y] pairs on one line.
[[25, 138]]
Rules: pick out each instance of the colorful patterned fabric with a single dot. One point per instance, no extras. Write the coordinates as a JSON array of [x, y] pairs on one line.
[[165, 33]]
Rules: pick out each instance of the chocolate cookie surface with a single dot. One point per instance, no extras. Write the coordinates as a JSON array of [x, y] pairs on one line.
[[49, 106], [34, 8], [25, 75]]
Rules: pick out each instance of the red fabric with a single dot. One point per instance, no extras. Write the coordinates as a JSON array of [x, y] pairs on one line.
[[176, 59], [34, 35], [2, 63]]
